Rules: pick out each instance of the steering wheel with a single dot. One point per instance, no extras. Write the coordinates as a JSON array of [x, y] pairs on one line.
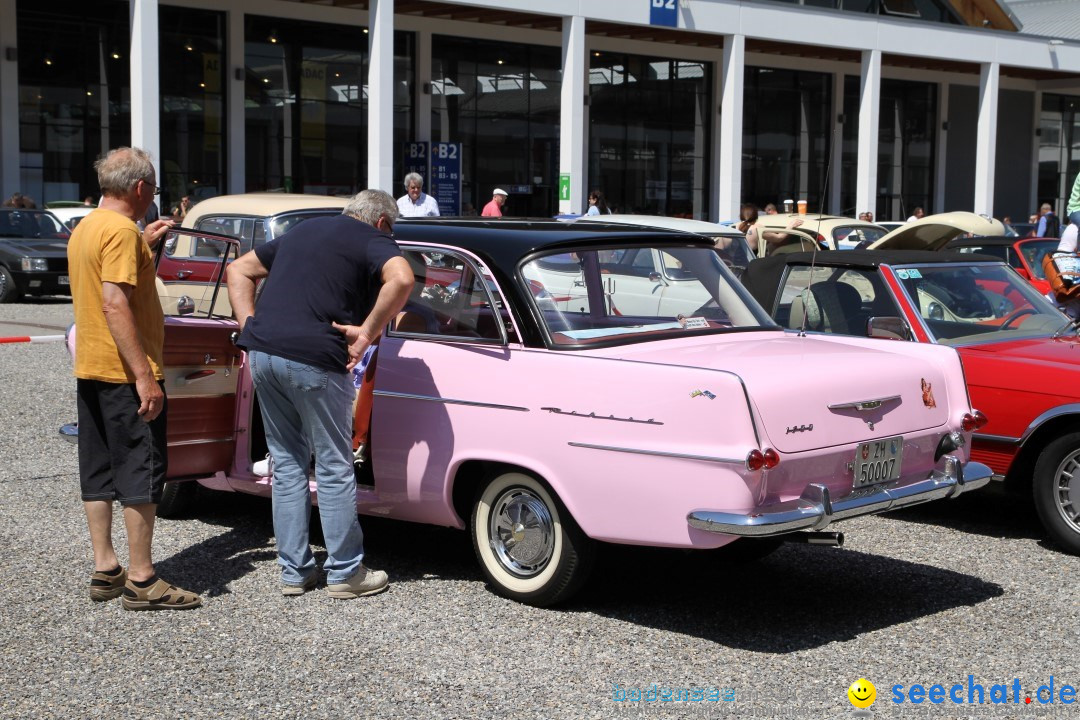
[[1016, 315]]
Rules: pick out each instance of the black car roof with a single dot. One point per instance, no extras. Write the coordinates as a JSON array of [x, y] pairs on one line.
[[762, 277], [504, 241]]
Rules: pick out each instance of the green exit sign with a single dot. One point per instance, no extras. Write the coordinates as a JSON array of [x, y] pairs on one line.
[[564, 187]]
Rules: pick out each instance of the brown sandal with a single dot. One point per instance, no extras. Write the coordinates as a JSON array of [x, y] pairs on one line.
[[106, 587], [159, 596]]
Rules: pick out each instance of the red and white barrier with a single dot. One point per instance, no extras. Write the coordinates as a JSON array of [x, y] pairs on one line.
[[32, 339]]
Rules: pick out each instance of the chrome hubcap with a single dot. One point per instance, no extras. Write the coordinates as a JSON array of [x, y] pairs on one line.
[[522, 532], [1067, 490]]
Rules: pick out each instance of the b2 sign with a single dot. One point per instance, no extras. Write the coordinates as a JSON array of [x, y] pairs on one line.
[[664, 12]]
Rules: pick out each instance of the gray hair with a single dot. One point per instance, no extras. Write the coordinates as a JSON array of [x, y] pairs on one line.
[[413, 178], [121, 170], [370, 205]]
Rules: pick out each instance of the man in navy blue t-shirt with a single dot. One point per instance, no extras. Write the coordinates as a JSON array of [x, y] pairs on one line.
[[331, 285]]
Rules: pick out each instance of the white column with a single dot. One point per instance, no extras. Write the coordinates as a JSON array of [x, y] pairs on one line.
[[832, 202], [9, 103], [866, 187], [423, 79], [145, 101], [986, 138], [380, 83], [572, 140], [235, 72], [941, 156], [731, 127]]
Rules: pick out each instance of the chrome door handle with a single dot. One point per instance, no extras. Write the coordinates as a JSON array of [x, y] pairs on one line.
[[181, 274]]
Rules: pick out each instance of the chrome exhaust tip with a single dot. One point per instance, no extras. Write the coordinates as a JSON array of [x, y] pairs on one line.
[[834, 539]]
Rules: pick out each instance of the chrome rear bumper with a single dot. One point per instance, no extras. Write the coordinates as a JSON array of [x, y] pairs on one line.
[[815, 510]]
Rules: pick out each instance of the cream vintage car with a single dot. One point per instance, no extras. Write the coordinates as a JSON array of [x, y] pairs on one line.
[[831, 231], [190, 263]]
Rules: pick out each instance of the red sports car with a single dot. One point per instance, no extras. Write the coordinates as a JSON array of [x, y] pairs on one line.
[[1021, 356], [1024, 255]]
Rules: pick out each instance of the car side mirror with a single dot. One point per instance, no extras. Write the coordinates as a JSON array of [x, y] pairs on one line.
[[892, 328], [654, 277]]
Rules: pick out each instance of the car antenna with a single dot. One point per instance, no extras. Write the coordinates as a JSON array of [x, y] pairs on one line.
[[814, 252]]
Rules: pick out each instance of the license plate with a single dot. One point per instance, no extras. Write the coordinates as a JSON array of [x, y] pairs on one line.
[[65, 280], [878, 461]]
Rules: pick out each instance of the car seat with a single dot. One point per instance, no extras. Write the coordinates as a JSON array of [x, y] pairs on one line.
[[841, 305], [416, 316]]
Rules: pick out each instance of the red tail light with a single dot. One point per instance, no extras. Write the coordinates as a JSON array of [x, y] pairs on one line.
[[757, 459], [980, 419], [968, 422], [772, 459]]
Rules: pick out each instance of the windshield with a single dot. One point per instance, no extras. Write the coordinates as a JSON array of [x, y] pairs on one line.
[[858, 235], [960, 304], [30, 224], [617, 294], [1034, 251], [281, 224]]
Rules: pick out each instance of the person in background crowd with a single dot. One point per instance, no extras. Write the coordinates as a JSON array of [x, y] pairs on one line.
[[770, 209], [917, 214], [119, 388], [301, 355], [597, 204], [18, 200], [869, 216], [415, 202], [1049, 224], [748, 216], [88, 201], [1072, 209], [494, 208]]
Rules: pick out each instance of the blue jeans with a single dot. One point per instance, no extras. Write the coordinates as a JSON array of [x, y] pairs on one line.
[[306, 410], [1074, 218]]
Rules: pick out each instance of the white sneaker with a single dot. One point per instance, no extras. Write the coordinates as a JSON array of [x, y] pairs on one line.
[[264, 467], [365, 582]]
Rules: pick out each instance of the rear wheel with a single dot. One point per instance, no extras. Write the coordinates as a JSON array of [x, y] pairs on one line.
[[1056, 490], [177, 499], [8, 291], [528, 546]]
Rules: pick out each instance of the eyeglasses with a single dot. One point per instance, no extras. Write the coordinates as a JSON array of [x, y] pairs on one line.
[[157, 190]]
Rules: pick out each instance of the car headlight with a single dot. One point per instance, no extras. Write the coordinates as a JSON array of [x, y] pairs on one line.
[[34, 264]]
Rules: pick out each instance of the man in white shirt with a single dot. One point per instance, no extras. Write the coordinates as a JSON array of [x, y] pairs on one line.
[[415, 202]]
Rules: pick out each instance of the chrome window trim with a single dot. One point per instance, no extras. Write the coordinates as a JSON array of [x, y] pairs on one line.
[[448, 401], [659, 453], [502, 340]]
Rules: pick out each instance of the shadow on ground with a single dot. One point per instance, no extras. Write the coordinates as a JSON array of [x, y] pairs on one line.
[[990, 512], [799, 597]]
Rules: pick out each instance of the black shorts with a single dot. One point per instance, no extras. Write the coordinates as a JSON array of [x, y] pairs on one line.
[[120, 456]]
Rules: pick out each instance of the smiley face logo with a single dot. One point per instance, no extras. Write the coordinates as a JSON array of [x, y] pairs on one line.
[[862, 693]]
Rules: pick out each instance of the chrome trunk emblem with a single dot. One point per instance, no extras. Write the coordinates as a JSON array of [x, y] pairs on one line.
[[800, 428]]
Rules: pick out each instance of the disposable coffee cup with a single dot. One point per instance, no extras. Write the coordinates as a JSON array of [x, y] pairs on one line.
[[789, 206], [802, 207]]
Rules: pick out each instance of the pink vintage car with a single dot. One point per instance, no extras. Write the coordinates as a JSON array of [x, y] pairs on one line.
[[558, 386]]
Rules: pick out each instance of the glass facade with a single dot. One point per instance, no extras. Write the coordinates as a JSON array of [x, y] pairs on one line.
[[786, 136], [649, 133], [1059, 149], [906, 143], [305, 103], [501, 102], [192, 82], [928, 10], [73, 93]]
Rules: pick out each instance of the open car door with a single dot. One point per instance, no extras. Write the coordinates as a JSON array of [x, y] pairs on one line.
[[201, 363]]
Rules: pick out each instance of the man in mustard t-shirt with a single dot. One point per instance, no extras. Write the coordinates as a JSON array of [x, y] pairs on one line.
[[120, 331]]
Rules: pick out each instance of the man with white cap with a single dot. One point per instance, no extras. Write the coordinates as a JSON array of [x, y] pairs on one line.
[[494, 208]]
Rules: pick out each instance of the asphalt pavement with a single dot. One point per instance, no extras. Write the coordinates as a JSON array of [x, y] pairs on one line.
[[931, 595]]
